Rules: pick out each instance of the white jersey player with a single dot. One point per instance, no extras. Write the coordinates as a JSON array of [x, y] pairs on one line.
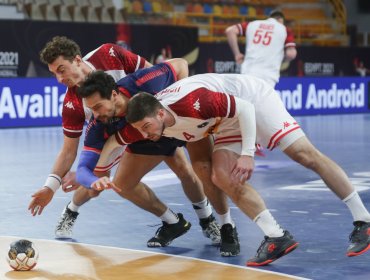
[[238, 109], [268, 42]]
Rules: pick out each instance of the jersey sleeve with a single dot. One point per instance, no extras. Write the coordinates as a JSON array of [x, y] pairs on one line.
[[203, 103], [132, 61], [128, 134], [289, 41], [73, 115], [151, 80], [95, 137]]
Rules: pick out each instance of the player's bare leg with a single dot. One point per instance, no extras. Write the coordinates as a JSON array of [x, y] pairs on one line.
[[130, 171], [200, 153], [303, 152], [193, 189], [81, 195], [251, 204]]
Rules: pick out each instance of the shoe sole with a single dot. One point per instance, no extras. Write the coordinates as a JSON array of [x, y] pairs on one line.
[[229, 254], [157, 244], [354, 254], [283, 253]]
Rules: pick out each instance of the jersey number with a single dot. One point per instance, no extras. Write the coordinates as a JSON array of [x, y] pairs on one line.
[[262, 36]]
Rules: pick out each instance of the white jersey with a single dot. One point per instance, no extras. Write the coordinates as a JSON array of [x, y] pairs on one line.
[[266, 41], [205, 104]]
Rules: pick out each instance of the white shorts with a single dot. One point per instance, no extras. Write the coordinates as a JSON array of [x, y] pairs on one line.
[[110, 155], [275, 126]]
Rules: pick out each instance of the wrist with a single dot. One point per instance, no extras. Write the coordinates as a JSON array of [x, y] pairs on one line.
[[53, 182]]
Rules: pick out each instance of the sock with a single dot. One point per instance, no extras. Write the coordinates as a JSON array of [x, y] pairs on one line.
[[268, 224], [357, 208], [73, 207], [169, 217], [203, 209], [226, 219]]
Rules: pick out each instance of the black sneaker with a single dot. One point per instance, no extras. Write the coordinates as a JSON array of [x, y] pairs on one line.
[[211, 229], [229, 241], [65, 224], [359, 239], [168, 232], [273, 248]]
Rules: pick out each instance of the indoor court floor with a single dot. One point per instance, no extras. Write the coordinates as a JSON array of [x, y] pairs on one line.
[[110, 233]]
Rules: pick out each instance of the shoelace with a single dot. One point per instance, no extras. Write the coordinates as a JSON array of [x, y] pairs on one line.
[[354, 236], [213, 229], [229, 236], [262, 245], [68, 221]]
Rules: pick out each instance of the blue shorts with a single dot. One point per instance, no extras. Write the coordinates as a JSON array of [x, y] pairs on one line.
[[163, 147]]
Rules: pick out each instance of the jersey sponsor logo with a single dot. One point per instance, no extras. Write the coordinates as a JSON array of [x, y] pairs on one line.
[[188, 136], [196, 105], [111, 52], [69, 105], [203, 125]]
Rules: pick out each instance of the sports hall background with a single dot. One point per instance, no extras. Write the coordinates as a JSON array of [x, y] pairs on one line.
[[325, 87]]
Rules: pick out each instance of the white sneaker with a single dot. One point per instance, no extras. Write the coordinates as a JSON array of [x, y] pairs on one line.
[[211, 229], [65, 224]]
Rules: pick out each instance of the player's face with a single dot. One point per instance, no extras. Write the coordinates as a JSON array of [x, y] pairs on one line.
[[103, 109], [67, 72], [151, 127]]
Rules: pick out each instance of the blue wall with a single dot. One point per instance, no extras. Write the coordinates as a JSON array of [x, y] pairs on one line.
[[27, 102]]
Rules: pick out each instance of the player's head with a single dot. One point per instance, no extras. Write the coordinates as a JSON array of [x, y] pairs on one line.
[[100, 93], [146, 114], [63, 57], [278, 15]]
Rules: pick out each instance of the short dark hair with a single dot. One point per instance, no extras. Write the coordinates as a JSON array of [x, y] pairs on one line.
[[277, 14], [142, 105], [59, 46], [100, 82]]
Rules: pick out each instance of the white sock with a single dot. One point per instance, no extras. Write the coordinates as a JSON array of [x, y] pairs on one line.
[[73, 207], [357, 208], [226, 219], [169, 217], [268, 224], [203, 209]]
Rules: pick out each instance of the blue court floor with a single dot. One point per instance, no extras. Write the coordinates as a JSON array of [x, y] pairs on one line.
[[297, 198]]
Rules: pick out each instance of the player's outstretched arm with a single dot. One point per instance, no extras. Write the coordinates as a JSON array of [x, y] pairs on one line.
[[63, 163]]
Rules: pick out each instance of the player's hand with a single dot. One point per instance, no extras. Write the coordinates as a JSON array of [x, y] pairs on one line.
[[104, 183], [69, 182], [243, 169], [239, 58], [40, 199]]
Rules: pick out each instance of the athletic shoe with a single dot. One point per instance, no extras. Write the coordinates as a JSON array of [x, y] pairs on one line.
[[273, 248], [168, 232], [65, 224], [211, 229], [359, 239], [229, 241]]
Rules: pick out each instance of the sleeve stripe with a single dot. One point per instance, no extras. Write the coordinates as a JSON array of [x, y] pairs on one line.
[[72, 131], [96, 151], [138, 63], [290, 45], [228, 105], [120, 140]]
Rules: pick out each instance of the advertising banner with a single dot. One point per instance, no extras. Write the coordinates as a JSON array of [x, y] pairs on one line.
[[321, 96], [29, 102]]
